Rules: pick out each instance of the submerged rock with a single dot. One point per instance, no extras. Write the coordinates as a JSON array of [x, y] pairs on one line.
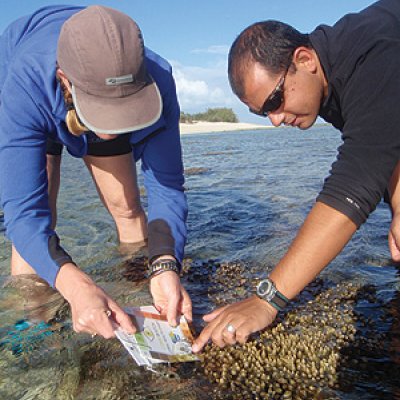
[[33, 298], [195, 171]]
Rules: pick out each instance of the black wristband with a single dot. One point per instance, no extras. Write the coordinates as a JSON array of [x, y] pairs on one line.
[[163, 265], [279, 302]]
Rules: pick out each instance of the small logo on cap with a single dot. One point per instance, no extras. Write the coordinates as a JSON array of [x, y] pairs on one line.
[[119, 80]]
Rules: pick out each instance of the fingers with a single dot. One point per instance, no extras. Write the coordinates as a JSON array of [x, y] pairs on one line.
[[179, 304], [209, 317], [235, 323], [172, 310], [161, 307], [186, 306], [97, 321], [122, 319], [215, 332], [394, 246], [170, 298], [211, 331], [394, 237], [223, 333], [201, 340], [229, 337], [93, 310], [104, 321], [242, 333], [232, 335]]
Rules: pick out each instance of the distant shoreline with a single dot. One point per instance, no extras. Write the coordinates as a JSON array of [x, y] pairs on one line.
[[210, 127]]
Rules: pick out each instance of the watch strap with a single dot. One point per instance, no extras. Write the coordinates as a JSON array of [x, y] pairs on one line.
[[279, 301], [273, 296], [162, 265]]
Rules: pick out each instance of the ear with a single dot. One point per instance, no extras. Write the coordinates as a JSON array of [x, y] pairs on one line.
[[62, 77], [305, 58]]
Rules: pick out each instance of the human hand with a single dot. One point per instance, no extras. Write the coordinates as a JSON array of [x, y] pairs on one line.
[[170, 297], [394, 237], [93, 311], [246, 317]]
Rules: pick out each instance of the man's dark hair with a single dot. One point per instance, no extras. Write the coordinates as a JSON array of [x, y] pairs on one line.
[[269, 43]]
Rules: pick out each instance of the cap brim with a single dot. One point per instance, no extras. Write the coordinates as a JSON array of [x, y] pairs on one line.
[[118, 115]]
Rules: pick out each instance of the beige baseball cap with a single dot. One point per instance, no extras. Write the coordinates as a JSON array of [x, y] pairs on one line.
[[101, 52]]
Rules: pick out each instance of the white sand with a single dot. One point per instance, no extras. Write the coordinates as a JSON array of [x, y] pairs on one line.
[[208, 127]]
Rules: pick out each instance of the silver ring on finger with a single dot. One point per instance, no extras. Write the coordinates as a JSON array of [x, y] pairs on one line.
[[231, 329], [93, 335]]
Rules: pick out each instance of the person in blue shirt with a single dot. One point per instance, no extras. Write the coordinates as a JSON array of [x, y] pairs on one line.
[[81, 78]]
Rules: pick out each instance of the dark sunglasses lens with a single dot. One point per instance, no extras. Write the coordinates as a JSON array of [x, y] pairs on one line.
[[273, 103]]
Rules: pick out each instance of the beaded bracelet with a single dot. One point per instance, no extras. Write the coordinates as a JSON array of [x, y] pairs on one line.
[[160, 266]]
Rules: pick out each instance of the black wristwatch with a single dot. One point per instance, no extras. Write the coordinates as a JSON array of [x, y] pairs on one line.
[[266, 290], [163, 265]]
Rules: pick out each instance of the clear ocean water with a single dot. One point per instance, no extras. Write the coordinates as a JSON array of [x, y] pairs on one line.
[[248, 193]]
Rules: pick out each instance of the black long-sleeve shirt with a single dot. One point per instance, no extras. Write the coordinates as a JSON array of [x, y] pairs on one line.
[[360, 56]]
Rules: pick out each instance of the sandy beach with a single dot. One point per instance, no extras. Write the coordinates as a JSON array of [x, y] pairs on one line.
[[208, 127]]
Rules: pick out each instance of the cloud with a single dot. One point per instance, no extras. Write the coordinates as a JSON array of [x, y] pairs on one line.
[[215, 49], [200, 88], [207, 86]]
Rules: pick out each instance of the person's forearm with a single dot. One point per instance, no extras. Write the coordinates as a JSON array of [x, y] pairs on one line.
[[321, 238], [394, 190], [70, 280]]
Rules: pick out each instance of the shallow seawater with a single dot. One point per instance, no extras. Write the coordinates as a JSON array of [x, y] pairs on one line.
[[248, 193]]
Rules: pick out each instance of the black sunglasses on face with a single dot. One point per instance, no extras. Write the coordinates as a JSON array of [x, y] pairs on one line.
[[273, 101]]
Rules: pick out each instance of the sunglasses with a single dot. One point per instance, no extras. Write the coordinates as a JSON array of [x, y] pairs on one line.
[[273, 101]]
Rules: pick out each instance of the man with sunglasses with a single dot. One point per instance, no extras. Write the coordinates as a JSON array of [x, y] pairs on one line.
[[349, 75]]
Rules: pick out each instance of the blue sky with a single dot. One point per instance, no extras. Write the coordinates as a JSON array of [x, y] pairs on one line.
[[195, 36]]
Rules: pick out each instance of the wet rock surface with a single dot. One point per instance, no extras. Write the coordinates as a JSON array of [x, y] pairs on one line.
[[195, 171]]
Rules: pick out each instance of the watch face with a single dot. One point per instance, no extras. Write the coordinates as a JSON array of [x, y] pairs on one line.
[[264, 288]]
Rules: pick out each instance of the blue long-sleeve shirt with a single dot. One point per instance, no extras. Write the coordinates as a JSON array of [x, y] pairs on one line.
[[32, 109]]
